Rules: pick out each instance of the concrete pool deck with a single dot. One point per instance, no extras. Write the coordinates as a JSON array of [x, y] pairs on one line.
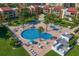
[[46, 47]]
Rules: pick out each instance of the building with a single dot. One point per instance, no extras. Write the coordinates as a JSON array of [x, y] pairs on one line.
[[67, 5], [47, 9], [66, 36], [58, 11], [70, 12], [35, 9], [77, 5], [61, 46], [7, 13], [54, 4]]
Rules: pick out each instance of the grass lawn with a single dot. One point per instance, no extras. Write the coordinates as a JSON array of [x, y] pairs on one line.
[[6, 49], [18, 22], [66, 24], [74, 51], [52, 53]]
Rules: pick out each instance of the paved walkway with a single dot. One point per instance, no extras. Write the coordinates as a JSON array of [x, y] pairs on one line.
[[41, 17], [46, 47], [67, 21], [72, 31]]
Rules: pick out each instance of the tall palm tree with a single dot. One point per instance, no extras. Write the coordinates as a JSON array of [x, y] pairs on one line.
[[49, 19], [46, 21]]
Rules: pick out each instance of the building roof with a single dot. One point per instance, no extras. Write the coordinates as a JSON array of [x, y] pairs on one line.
[[58, 8], [46, 7], [62, 41], [6, 9], [72, 10], [34, 7], [68, 35], [0, 10]]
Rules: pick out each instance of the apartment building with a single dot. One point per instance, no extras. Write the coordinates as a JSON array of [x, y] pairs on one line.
[[7, 13]]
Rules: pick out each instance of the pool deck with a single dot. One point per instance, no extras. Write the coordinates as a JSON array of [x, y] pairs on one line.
[[46, 47]]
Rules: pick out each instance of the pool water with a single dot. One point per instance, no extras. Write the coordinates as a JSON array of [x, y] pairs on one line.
[[32, 34], [46, 36]]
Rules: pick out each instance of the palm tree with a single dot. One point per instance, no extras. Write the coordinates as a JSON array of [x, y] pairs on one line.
[[52, 18], [26, 13], [41, 29], [49, 19], [46, 21], [76, 20]]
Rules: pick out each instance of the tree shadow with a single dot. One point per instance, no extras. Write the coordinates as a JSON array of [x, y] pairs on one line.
[[3, 32]]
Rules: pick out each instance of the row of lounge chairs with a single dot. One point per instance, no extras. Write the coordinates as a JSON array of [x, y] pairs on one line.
[[33, 52], [30, 49]]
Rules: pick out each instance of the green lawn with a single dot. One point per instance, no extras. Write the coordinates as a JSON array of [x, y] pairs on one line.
[[66, 24], [51, 53], [74, 51], [6, 49], [18, 22]]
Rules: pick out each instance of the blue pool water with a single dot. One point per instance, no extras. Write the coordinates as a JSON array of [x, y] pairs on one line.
[[32, 34], [46, 36]]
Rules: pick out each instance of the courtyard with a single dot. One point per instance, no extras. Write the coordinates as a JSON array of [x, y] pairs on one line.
[[34, 33]]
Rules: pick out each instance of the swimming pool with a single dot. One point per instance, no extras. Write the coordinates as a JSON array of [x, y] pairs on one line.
[[32, 34]]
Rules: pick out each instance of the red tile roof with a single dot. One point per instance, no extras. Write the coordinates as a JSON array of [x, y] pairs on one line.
[[6, 9], [58, 8], [46, 7], [72, 10]]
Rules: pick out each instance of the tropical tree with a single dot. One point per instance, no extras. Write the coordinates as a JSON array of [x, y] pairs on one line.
[[15, 43], [58, 21], [24, 13], [13, 5], [41, 29], [46, 21], [49, 19], [2, 5], [75, 20]]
